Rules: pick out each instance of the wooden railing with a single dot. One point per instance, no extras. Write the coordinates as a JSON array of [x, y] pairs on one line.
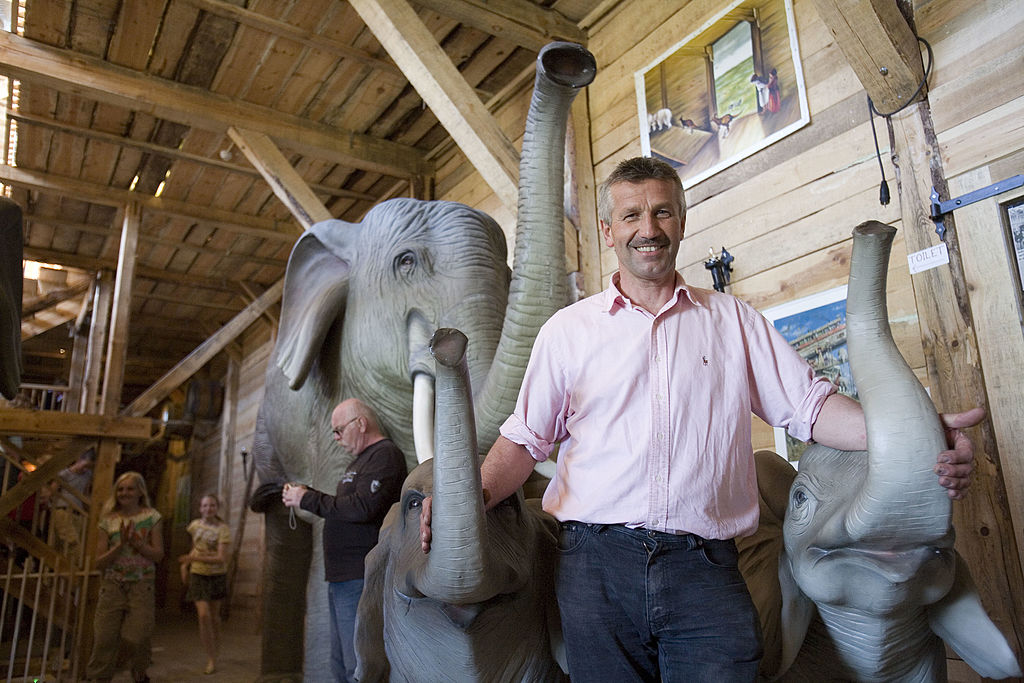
[[42, 397]]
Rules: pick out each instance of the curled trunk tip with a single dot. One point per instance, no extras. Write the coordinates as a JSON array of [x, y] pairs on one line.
[[448, 346], [874, 228], [567, 64]]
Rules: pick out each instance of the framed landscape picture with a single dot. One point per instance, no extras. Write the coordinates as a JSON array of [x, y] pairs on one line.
[[816, 327], [730, 88]]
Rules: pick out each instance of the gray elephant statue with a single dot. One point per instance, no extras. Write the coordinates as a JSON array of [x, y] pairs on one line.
[[868, 583], [10, 297], [360, 304], [480, 606]]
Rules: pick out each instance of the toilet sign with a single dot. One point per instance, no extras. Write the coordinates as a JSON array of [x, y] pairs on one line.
[[929, 258]]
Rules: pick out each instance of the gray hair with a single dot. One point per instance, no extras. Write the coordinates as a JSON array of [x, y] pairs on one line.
[[637, 170]]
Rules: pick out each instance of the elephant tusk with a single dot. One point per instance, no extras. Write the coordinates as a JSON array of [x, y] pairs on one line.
[[423, 416]]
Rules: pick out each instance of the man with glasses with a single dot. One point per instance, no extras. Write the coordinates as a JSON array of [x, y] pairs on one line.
[[352, 518]]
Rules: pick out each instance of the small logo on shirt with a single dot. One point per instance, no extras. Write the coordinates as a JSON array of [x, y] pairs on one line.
[[375, 486], [705, 359], [349, 477]]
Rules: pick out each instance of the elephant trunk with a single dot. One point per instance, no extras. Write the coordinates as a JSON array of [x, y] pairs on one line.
[[456, 566], [538, 286], [901, 498]]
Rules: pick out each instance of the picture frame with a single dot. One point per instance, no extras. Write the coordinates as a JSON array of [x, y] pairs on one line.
[[815, 326], [730, 88]]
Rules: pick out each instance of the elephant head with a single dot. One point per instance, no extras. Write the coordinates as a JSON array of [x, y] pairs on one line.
[[870, 583], [480, 606], [361, 302], [10, 297]]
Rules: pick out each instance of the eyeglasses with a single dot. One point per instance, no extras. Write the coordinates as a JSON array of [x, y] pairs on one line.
[[338, 431]]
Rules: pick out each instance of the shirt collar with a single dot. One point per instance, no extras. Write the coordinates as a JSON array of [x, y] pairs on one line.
[[612, 297]]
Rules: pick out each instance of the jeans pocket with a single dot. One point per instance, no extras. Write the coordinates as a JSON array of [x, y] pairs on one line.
[[572, 537], [722, 554]]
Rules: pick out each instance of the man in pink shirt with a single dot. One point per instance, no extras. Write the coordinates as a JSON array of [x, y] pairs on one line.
[[648, 388]]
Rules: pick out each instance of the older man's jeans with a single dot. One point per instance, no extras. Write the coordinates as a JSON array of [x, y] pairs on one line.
[[642, 605], [344, 600]]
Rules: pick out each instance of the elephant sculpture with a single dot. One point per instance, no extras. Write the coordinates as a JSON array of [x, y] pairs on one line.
[[10, 297], [360, 304], [480, 606], [868, 583]]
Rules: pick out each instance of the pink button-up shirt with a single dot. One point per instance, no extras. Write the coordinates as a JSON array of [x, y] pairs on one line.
[[653, 411]]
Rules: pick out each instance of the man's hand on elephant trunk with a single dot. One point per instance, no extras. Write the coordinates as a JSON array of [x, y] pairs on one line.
[[954, 466], [425, 524], [291, 494]]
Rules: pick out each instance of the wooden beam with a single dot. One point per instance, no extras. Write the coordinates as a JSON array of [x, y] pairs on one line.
[[171, 153], [117, 342], [456, 106], [880, 47], [204, 352], [523, 23], [253, 226], [584, 190], [89, 77], [18, 422], [33, 481], [52, 298], [985, 536], [19, 535], [46, 320], [284, 180], [104, 295]]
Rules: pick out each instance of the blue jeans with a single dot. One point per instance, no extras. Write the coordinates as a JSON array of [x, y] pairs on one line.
[[344, 599], [642, 605]]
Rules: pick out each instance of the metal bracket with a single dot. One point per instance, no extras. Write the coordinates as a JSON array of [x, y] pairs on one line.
[[940, 208]]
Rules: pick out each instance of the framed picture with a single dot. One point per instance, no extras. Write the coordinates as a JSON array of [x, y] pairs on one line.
[[728, 89], [816, 327]]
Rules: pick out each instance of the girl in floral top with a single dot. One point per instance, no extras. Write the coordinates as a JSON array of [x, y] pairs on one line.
[[207, 581], [129, 545]]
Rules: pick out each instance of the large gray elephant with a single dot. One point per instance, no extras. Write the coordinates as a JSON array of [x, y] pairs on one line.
[[10, 297], [869, 585], [481, 605], [360, 304]]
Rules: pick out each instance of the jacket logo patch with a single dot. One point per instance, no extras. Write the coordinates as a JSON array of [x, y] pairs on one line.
[[349, 477], [375, 486]]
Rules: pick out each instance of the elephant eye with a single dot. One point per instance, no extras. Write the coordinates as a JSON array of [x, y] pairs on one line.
[[405, 263], [799, 497]]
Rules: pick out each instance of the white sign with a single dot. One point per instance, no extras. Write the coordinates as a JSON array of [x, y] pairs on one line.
[[929, 258]]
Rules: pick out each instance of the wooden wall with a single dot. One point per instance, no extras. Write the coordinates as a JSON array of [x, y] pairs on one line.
[[787, 212]]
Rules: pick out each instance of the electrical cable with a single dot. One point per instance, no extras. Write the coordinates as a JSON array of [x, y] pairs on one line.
[[883, 189]]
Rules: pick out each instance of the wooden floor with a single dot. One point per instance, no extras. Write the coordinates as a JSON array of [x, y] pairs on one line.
[[178, 656]]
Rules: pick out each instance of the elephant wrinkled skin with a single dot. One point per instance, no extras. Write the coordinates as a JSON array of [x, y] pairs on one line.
[[868, 585], [10, 297], [360, 304]]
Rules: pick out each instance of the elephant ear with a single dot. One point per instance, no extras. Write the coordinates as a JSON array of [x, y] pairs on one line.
[[315, 290], [960, 619], [371, 658]]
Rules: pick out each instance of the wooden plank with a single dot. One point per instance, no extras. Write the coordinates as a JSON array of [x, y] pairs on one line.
[[204, 352], [528, 25], [880, 46], [255, 226], [584, 188], [94, 78], [53, 297], [98, 329], [992, 285], [287, 184], [18, 422], [117, 342], [402, 33], [986, 537]]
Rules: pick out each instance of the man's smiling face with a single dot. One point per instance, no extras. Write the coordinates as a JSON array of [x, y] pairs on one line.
[[646, 228]]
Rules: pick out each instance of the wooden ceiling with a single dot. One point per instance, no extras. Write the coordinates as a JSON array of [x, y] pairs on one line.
[[117, 102]]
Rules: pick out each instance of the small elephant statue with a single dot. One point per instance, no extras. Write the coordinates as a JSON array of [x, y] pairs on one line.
[[10, 297], [480, 606], [360, 304], [867, 585]]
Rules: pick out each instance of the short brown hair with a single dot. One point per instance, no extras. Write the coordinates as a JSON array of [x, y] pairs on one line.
[[637, 170]]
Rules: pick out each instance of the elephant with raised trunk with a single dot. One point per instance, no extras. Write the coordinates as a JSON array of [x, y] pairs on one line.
[[480, 606], [869, 582], [360, 304]]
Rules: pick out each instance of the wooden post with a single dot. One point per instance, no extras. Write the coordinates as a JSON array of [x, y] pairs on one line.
[[227, 435], [117, 346], [985, 536], [97, 342], [582, 165]]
